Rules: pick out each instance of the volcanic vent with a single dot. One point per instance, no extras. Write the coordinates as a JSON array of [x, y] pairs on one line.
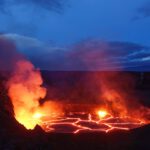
[[113, 111]]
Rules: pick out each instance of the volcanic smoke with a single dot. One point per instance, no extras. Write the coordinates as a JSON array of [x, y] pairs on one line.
[[25, 91], [113, 110]]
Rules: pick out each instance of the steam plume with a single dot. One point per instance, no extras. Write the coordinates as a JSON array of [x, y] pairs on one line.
[[25, 92]]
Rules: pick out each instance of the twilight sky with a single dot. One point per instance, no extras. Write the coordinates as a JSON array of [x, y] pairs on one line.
[[79, 34]]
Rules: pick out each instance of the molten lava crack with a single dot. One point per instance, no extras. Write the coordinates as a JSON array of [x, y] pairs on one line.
[[72, 124]]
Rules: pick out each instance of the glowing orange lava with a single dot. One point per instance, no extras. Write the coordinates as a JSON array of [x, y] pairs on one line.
[[37, 115], [102, 114], [25, 90], [78, 122]]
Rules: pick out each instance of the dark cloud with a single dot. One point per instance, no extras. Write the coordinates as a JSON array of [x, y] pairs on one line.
[[45, 4], [97, 55], [86, 55], [8, 54], [144, 10], [22, 16]]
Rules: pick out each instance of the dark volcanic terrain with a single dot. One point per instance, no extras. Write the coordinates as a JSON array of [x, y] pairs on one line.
[[14, 136]]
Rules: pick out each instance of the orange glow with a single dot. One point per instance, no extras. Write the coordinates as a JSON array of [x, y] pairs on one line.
[[27, 121], [102, 114], [37, 115], [25, 91], [90, 124]]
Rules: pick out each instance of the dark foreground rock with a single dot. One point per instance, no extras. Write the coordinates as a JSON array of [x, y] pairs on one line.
[[14, 136]]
